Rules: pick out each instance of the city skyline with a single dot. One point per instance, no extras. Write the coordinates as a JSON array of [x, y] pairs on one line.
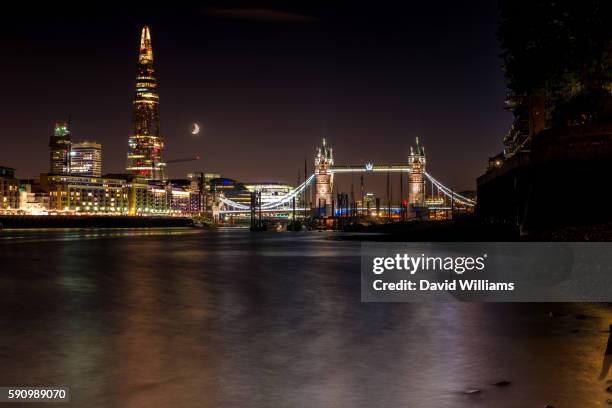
[[306, 204], [260, 121]]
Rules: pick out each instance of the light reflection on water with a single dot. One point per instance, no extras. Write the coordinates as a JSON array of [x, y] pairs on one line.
[[191, 318]]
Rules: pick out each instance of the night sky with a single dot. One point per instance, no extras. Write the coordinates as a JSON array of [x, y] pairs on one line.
[[265, 81]]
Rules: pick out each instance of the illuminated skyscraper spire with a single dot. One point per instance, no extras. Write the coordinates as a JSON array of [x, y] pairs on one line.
[[146, 51], [145, 144]]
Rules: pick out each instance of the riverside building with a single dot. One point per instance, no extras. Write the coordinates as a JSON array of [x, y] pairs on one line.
[[9, 189]]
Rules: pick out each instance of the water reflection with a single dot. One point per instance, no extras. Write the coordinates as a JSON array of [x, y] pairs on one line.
[[227, 318], [607, 359]]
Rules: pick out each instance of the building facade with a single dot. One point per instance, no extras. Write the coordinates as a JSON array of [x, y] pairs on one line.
[[201, 182], [75, 193], [31, 202], [117, 194], [86, 159], [60, 146], [9, 189], [145, 145], [271, 192], [231, 189]]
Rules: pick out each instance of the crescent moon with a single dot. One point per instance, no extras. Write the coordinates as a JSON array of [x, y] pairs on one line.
[[196, 129]]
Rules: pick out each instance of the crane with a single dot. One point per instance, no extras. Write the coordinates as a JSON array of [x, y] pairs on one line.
[[186, 159]]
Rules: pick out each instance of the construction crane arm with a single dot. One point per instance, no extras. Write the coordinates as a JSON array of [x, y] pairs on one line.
[[186, 159]]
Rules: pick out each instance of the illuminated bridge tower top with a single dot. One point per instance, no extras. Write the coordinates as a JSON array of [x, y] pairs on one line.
[[325, 156], [145, 145], [416, 180], [324, 159]]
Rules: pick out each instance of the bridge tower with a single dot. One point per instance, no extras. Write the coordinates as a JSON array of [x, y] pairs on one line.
[[324, 159], [416, 181]]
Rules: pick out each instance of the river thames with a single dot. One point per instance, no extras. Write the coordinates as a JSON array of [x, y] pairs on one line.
[[229, 318]]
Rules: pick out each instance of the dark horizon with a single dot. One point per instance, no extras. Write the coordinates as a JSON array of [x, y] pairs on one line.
[[266, 83]]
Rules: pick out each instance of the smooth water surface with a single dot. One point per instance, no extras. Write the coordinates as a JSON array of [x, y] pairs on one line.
[[229, 318]]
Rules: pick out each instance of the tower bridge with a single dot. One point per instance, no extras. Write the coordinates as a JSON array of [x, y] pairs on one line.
[[325, 170]]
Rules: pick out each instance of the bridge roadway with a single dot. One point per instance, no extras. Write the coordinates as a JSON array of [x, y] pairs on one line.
[[369, 167], [302, 209]]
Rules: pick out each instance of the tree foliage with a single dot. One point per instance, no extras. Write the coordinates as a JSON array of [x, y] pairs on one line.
[[561, 49]]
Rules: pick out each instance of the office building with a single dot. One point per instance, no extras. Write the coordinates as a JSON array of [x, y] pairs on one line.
[[60, 146], [86, 159]]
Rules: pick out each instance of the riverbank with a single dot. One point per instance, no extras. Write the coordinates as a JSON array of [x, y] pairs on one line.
[[91, 221], [474, 229], [468, 229]]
